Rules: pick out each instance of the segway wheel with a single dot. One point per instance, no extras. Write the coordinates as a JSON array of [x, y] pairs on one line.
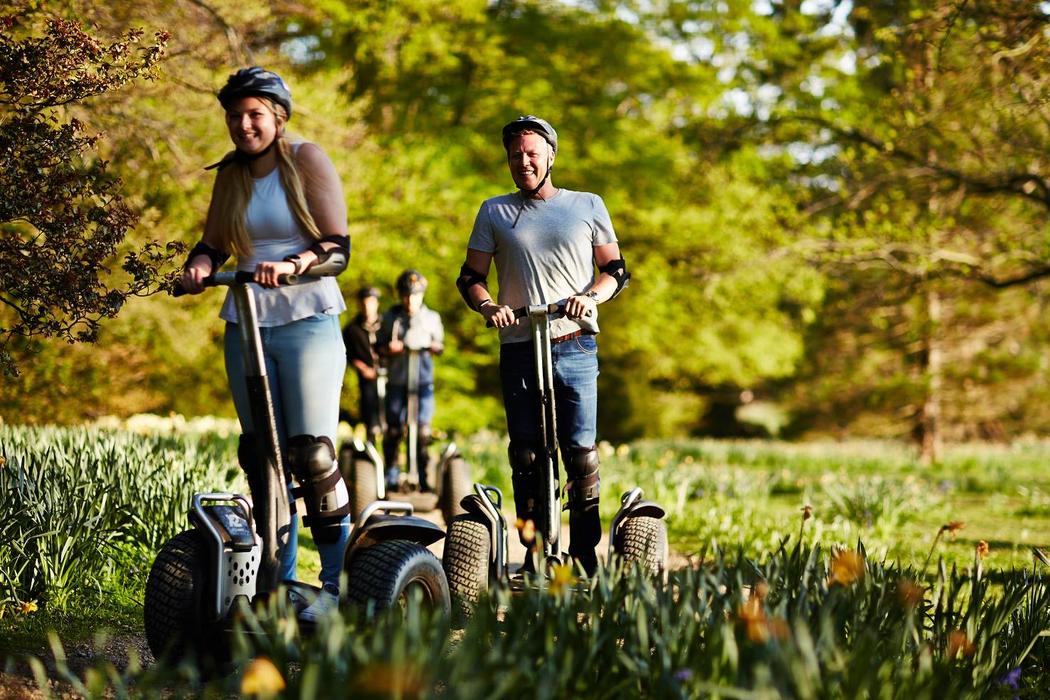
[[346, 462], [643, 540], [393, 572], [455, 484], [365, 488], [466, 560], [174, 613]]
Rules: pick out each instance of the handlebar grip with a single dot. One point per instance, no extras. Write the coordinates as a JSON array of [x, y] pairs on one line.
[[240, 277], [523, 311]]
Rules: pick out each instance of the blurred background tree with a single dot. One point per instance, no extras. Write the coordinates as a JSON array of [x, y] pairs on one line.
[[834, 211], [62, 217]]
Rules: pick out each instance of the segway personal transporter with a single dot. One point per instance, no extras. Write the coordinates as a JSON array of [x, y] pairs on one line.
[[231, 554], [451, 480], [475, 555]]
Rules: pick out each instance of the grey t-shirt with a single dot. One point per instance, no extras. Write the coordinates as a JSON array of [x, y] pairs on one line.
[[419, 332], [547, 255]]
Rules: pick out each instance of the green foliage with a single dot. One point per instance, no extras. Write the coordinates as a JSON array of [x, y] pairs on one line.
[[62, 219], [86, 510], [793, 624]]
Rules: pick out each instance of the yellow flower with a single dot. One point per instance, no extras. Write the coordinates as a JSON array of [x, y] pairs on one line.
[[562, 579], [959, 643], [847, 567], [28, 607], [757, 625], [909, 593], [386, 680], [526, 528], [982, 549], [261, 678]]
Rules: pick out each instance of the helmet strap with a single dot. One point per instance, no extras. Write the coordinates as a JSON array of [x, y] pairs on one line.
[[239, 156]]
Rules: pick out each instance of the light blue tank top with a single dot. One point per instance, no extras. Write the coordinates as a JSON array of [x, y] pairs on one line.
[[275, 234]]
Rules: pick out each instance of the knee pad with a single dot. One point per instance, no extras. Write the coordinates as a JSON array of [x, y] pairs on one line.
[[582, 484], [524, 478], [321, 485]]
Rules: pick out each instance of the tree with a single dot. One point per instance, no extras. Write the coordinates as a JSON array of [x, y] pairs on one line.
[[62, 217], [919, 136]]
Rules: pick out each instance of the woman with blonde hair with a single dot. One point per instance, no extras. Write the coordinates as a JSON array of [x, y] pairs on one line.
[[278, 206]]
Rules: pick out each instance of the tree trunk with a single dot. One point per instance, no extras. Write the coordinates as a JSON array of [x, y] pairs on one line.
[[928, 420]]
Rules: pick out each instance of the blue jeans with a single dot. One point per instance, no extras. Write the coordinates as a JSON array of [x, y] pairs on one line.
[[575, 391], [305, 363], [575, 370], [397, 418]]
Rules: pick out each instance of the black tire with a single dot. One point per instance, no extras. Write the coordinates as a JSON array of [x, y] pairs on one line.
[[468, 549], [389, 573], [346, 462], [455, 484], [643, 540], [175, 606], [364, 487]]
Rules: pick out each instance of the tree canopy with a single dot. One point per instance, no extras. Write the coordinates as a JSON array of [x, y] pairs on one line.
[[834, 211]]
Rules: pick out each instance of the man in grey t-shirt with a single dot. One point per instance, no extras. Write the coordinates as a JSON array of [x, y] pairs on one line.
[[546, 242]]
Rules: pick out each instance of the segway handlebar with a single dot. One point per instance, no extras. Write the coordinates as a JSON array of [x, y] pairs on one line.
[[557, 309], [232, 278]]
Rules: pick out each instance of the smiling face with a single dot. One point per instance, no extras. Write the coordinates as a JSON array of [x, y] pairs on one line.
[[252, 123], [529, 156]]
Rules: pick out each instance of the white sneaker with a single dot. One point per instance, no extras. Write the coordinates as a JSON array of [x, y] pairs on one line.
[[325, 602]]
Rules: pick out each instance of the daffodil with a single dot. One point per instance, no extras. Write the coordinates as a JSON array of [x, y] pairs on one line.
[[562, 579], [960, 644], [261, 678], [847, 567]]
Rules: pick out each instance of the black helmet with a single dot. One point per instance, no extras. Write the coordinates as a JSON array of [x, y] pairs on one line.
[[367, 291], [411, 282], [256, 82], [530, 123]]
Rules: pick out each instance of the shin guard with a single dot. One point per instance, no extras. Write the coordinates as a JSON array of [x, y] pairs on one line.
[[525, 481], [582, 488]]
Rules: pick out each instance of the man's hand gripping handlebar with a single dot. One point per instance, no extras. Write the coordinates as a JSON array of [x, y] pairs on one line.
[[505, 316]]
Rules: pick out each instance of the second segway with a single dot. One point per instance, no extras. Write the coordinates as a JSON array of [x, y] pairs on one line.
[[476, 547]]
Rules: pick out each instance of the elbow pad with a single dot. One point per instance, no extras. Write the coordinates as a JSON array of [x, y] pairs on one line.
[[469, 277], [617, 269], [216, 256], [330, 263]]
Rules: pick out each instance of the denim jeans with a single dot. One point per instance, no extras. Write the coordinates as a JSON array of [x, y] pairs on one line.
[[575, 365], [397, 418], [575, 370], [305, 363]]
